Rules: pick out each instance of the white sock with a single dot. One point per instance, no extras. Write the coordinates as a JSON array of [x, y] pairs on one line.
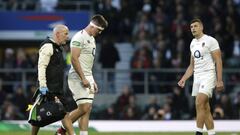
[[211, 132], [199, 130], [83, 132]]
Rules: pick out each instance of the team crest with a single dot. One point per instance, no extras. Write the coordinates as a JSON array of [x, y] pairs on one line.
[[88, 41], [202, 86], [203, 44]]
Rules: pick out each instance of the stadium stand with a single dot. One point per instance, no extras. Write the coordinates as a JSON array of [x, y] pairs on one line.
[[156, 34]]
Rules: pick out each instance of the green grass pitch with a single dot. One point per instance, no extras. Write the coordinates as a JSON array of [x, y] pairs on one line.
[[7, 128], [105, 133]]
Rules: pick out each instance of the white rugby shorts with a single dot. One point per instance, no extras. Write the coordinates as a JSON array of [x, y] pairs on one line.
[[81, 94], [204, 83]]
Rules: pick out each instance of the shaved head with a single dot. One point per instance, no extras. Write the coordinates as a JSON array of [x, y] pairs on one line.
[[59, 28], [60, 34]]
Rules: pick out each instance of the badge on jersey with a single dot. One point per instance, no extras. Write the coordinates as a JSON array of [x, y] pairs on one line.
[[203, 44]]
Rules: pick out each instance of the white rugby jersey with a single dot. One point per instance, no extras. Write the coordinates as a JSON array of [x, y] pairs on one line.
[[87, 45], [201, 51]]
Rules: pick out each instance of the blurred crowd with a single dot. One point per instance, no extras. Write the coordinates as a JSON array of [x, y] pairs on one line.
[[159, 29], [175, 106], [159, 33]]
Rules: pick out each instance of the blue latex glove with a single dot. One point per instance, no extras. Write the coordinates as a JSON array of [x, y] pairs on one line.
[[43, 90]]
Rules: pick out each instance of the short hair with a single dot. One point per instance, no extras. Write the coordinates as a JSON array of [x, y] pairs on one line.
[[100, 20], [196, 20]]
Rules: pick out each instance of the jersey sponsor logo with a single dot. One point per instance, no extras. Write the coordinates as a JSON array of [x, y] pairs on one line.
[[197, 54], [76, 43]]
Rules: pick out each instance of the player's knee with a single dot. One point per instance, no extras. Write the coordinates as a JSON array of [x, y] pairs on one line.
[[87, 108], [208, 109], [200, 104]]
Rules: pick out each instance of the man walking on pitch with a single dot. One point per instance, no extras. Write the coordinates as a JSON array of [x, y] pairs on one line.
[[80, 77], [51, 73], [206, 63]]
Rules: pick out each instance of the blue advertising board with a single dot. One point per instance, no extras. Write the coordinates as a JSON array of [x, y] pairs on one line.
[[24, 25]]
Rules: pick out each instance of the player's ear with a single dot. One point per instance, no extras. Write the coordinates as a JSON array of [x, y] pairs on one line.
[[57, 34], [201, 25]]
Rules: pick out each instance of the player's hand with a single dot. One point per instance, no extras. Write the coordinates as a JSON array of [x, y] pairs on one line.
[[95, 87], [43, 90], [86, 83], [181, 83], [219, 86]]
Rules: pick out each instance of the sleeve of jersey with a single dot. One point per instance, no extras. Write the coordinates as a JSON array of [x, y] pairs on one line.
[[77, 41], [214, 45], [190, 47], [45, 53]]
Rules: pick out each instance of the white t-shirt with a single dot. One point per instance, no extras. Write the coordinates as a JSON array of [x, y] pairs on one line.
[[87, 45], [201, 51]]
